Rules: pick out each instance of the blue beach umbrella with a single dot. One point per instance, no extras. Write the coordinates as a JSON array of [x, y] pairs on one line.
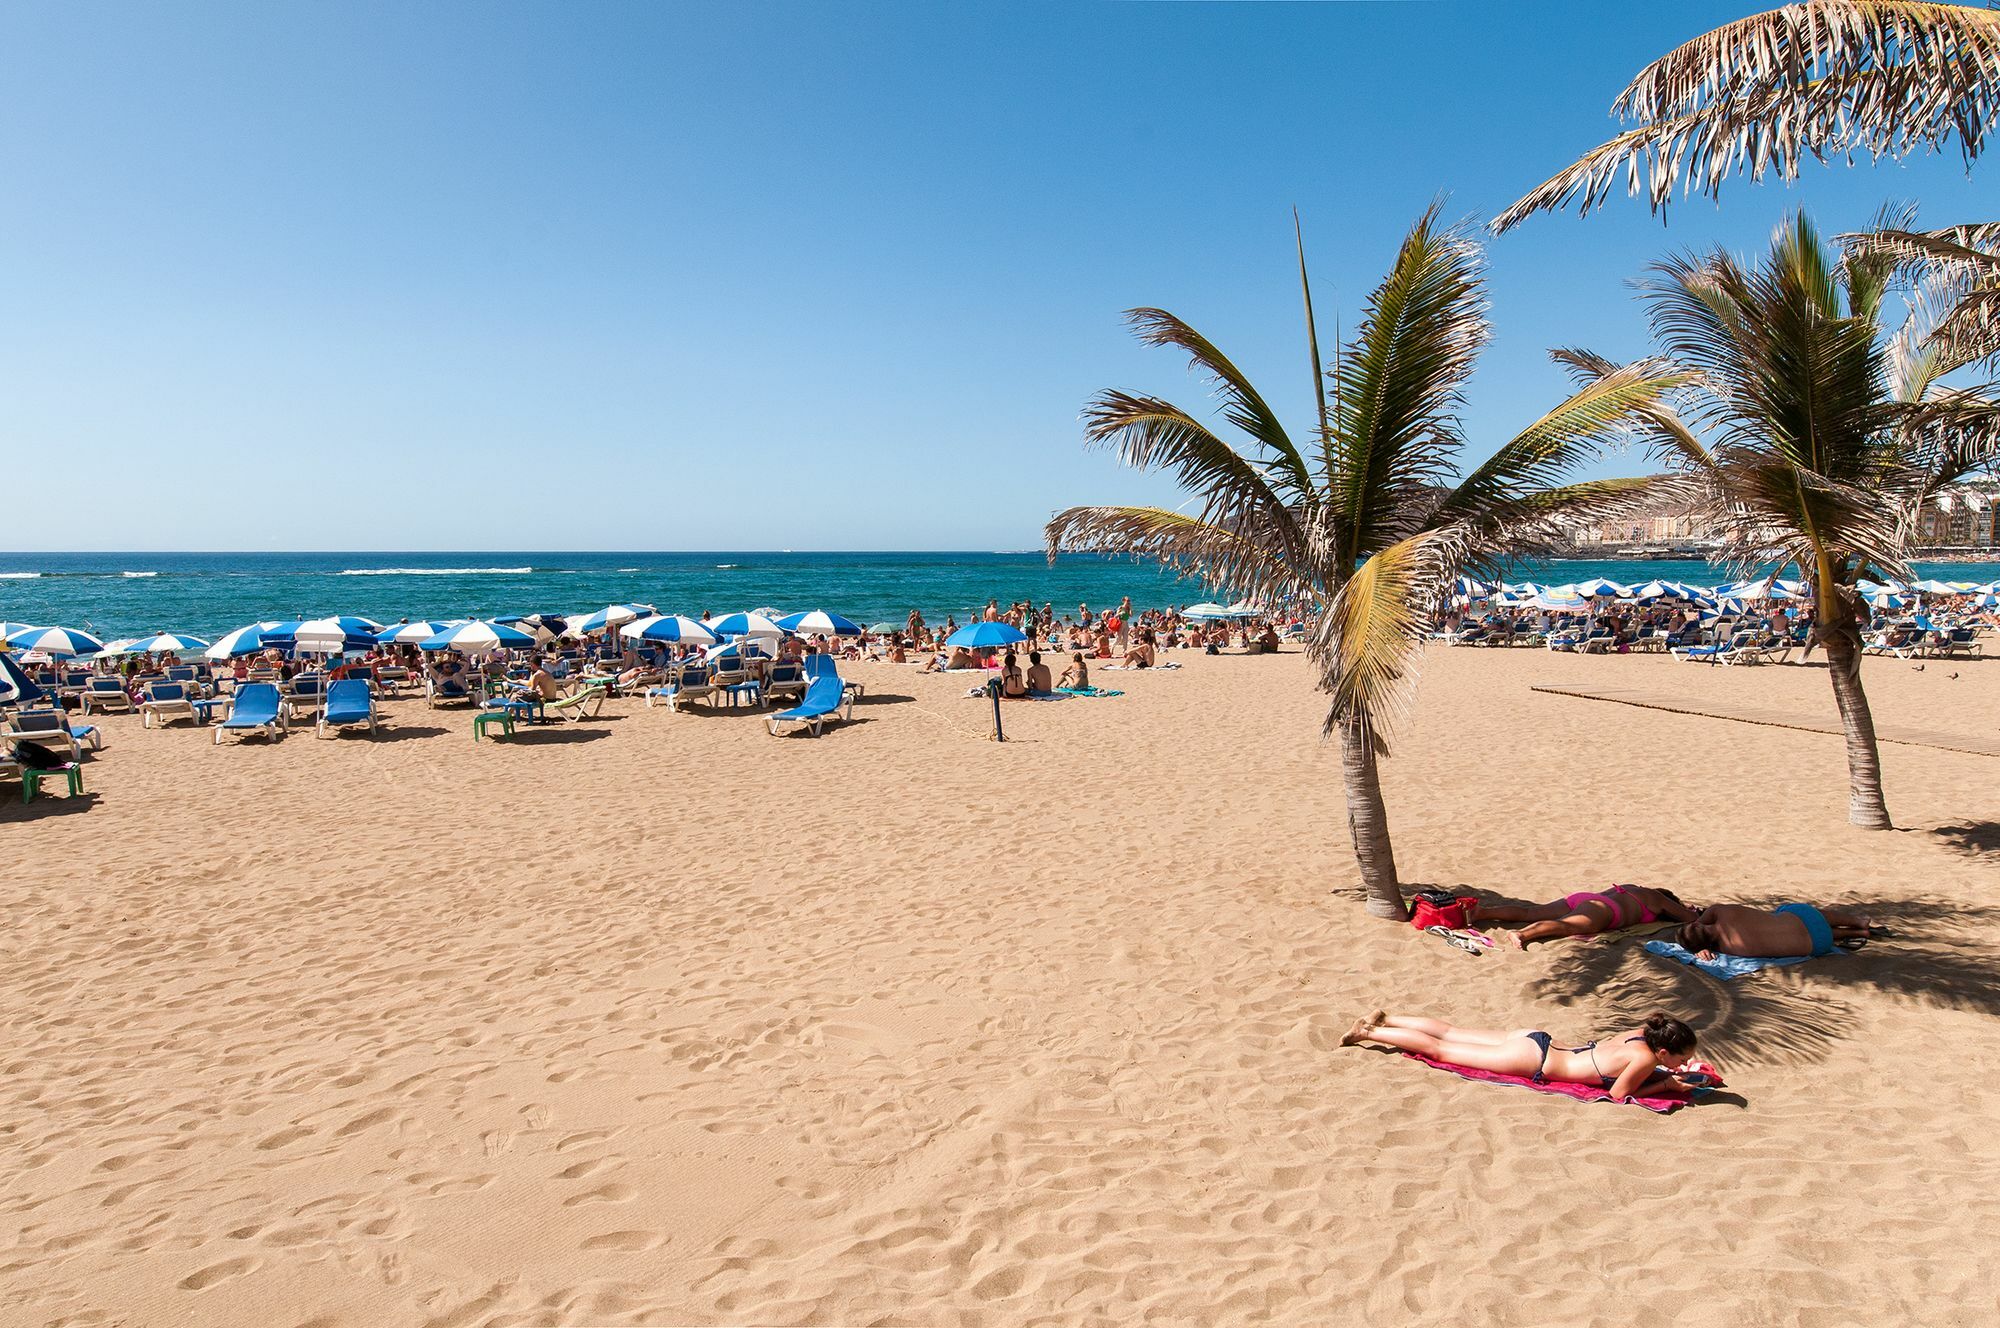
[[243, 641], [819, 623], [980, 635], [1599, 588], [56, 641], [477, 637], [8, 629], [1202, 612], [672, 627], [746, 624]]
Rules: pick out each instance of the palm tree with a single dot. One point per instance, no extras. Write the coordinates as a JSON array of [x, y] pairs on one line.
[[1828, 431], [1359, 521], [1821, 79]]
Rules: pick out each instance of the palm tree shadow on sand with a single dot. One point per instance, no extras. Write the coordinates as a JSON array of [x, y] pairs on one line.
[[1934, 954]]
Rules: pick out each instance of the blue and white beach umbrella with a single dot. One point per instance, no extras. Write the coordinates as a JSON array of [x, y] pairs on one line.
[[1598, 588], [1884, 598], [16, 687], [1467, 588], [411, 633], [475, 638], [1988, 600], [166, 643], [1204, 611], [819, 623], [56, 641], [243, 641], [671, 627], [980, 635], [7, 629], [612, 615], [746, 624]]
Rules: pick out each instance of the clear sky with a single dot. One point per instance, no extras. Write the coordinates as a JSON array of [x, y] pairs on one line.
[[457, 276]]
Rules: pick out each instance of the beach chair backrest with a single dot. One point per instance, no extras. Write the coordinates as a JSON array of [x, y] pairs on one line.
[[41, 721], [349, 692], [106, 686], [181, 673], [167, 691], [256, 700]]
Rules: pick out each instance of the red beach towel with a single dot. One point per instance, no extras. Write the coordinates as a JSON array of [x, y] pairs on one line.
[[1581, 1092]]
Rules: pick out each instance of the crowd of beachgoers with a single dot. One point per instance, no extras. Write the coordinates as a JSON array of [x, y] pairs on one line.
[[1731, 623]]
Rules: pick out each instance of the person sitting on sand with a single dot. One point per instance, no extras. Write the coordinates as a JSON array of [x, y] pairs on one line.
[[1012, 683], [1785, 931], [1638, 1062], [1141, 655], [961, 658], [1039, 677], [1077, 675], [1586, 913]]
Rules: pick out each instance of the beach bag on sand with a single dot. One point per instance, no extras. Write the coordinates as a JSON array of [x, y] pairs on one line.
[[37, 757], [1440, 908]]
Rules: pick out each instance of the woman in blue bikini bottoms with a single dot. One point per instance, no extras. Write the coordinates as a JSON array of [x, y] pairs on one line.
[[1621, 1064]]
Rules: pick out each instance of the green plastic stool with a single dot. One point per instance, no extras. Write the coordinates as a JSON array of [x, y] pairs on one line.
[[504, 718], [31, 780]]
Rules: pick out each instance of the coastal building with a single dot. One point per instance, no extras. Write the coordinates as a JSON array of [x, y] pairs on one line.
[[1961, 516]]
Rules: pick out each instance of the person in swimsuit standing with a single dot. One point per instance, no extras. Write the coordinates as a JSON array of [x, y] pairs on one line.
[[1623, 1064], [1586, 913]]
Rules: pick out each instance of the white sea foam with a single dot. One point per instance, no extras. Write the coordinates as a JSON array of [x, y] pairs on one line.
[[138, 573], [20, 576], [437, 571], [727, 567], [628, 569]]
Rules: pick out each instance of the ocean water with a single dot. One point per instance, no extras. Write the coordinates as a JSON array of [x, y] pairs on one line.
[[127, 594]]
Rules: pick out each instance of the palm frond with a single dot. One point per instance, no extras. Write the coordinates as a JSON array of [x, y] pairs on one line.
[[1400, 384], [1659, 428], [1151, 434], [1224, 557], [1824, 79], [1601, 411], [1954, 280], [1242, 405], [1370, 639]]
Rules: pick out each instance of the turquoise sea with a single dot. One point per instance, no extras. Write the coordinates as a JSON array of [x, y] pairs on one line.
[[127, 594]]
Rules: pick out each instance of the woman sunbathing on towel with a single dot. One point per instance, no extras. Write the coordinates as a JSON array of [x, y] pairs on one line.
[[1621, 1064], [1586, 913]]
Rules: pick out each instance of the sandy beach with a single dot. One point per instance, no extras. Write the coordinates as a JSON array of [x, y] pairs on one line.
[[655, 1019]]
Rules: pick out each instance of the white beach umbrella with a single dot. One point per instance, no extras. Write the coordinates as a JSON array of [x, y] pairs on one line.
[[819, 622], [612, 615]]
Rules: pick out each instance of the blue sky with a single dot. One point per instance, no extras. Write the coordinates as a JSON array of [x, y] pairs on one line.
[[719, 276]]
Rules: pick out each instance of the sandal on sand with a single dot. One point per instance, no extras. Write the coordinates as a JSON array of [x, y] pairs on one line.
[[1452, 938]]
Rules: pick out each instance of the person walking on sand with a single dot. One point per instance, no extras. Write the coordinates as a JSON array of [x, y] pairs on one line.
[[1637, 1062]]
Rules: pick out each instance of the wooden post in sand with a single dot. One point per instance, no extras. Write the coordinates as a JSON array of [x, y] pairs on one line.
[[993, 690]]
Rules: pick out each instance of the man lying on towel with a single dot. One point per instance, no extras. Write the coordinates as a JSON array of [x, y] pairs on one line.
[[1786, 931]]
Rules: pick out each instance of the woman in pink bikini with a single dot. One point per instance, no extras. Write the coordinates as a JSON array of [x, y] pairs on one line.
[[1586, 913]]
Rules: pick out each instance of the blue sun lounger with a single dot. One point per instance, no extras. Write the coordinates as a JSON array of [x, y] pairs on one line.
[[825, 697], [256, 706], [349, 701]]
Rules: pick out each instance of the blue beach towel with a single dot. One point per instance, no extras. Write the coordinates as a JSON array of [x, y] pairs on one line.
[[1722, 967], [1087, 692]]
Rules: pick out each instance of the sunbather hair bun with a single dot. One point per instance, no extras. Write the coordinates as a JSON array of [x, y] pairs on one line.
[[1666, 1033]]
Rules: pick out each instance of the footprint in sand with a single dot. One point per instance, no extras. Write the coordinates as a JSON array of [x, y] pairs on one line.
[[590, 1168], [602, 1194], [537, 1116], [366, 1120], [631, 1241], [496, 1142], [218, 1272], [580, 1138]]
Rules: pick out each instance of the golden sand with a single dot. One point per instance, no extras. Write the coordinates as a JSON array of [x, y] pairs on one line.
[[659, 1020]]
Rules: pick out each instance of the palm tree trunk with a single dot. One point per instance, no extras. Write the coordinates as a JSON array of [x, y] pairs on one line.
[[1865, 806], [1368, 823]]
